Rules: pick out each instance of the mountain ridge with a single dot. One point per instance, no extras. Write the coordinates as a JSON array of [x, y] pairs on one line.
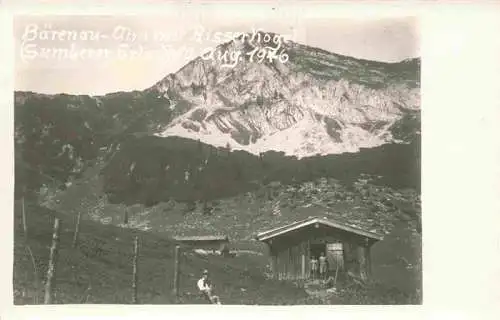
[[315, 91]]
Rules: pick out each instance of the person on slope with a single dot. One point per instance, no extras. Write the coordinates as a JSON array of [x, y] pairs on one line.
[[206, 288]]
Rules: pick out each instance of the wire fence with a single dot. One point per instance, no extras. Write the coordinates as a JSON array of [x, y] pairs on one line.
[[71, 234]]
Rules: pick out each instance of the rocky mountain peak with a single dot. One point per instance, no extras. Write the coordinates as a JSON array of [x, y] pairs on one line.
[[246, 95]]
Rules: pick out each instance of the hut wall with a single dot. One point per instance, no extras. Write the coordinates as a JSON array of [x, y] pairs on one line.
[[290, 256], [350, 257], [290, 263], [364, 262], [357, 259]]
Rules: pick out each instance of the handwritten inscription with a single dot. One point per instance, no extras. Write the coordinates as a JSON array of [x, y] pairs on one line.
[[260, 47], [123, 42]]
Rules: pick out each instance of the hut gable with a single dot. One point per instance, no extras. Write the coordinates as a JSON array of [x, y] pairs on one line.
[[273, 233]]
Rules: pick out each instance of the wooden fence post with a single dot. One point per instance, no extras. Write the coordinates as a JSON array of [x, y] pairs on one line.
[[176, 270], [303, 265], [125, 217], [25, 224], [134, 272], [50, 284], [28, 248], [77, 230]]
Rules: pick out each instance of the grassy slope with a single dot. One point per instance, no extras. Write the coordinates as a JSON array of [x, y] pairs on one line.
[[99, 271], [46, 125], [396, 271]]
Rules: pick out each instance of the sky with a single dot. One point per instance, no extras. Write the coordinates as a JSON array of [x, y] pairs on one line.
[[124, 53]]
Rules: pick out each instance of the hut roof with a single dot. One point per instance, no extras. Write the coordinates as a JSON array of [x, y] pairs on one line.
[[269, 234], [202, 238]]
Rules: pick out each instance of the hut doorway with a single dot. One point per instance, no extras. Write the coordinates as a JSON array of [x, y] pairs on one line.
[[316, 249]]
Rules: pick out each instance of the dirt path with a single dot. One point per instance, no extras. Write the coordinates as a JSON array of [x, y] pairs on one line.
[[317, 289]]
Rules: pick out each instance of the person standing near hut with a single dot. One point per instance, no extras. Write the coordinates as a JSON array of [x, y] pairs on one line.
[[323, 266], [314, 267]]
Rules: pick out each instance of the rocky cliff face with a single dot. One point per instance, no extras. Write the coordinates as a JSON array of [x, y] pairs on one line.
[[315, 103]]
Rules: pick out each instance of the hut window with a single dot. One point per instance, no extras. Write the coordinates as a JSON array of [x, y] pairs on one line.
[[335, 246]]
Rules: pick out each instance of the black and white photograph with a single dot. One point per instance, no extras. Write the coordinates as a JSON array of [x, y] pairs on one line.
[[206, 157]]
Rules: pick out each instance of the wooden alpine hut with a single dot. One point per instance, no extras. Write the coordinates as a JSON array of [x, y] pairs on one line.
[[292, 246]]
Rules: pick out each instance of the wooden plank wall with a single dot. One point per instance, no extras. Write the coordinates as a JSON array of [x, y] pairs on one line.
[[288, 262], [287, 256]]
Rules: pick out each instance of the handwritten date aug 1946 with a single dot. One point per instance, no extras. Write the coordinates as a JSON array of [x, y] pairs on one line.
[[229, 57]]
